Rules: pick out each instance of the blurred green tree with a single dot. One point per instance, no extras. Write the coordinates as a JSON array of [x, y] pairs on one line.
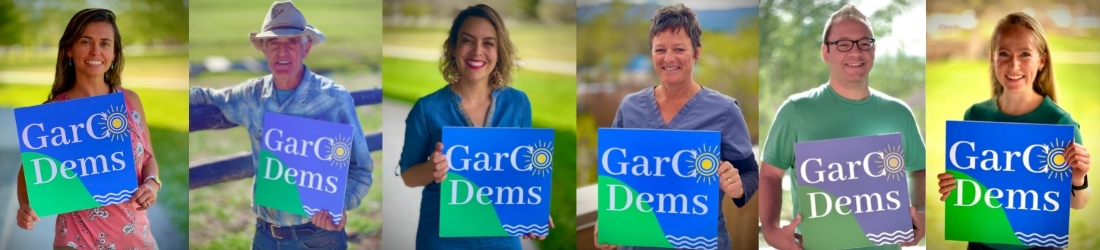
[[790, 54], [142, 21], [10, 23]]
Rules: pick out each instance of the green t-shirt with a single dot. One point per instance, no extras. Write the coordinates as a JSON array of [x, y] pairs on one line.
[[1048, 112], [820, 113]]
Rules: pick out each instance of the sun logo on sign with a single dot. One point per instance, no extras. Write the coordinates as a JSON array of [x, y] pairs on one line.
[[893, 163], [115, 122], [340, 151], [541, 159], [1054, 156], [705, 162]]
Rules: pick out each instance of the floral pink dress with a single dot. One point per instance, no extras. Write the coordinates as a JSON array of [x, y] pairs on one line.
[[119, 226]]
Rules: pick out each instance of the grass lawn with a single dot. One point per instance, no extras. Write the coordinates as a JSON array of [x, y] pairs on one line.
[[955, 86], [166, 113], [224, 220], [553, 102], [352, 30], [557, 42], [1073, 43], [167, 66]]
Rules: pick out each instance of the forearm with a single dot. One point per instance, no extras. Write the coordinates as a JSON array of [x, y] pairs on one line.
[[771, 196], [1080, 198], [150, 169], [750, 176], [233, 103], [21, 190], [419, 174], [916, 194]]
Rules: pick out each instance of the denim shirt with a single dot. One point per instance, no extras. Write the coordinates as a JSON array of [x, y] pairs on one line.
[[707, 110], [424, 128], [316, 97]]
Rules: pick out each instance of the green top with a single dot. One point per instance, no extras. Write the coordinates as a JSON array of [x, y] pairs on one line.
[[820, 113], [1048, 112]]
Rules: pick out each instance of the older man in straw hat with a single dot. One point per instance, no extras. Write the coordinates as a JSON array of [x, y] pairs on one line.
[[285, 39]]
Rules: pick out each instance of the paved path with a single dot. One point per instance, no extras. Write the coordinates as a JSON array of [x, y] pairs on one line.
[[130, 82], [400, 204]]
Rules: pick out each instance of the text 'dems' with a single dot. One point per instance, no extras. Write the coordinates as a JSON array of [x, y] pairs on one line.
[[498, 182], [1012, 183], [853, 192], [659, 188], [303, 165], [77, 154]]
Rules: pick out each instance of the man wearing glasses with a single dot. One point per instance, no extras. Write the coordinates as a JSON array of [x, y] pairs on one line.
[[844, 107]]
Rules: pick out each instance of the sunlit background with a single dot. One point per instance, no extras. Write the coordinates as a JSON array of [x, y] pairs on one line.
[[790, 58], [958, 34], [221, 56], [155, 39], [613, 60], [545, 35]]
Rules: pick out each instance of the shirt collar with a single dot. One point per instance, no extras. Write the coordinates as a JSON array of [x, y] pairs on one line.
[[454, 96], [306, 83]]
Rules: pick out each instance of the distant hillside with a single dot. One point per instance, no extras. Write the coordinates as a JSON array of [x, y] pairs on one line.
[[713, 20]]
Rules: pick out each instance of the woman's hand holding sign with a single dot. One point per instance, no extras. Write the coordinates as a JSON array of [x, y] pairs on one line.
[[532, 236], [1076, 155], [1079, 159], [947, 183], [730, 181], [439, 161], [145, 196], [26, 217], [596, 238]]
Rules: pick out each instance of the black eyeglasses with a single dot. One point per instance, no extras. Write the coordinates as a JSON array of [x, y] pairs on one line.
[[846, 45]]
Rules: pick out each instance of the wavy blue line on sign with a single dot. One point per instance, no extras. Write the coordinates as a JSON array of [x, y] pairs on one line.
[[310, 211], [685, 242], [114, 198], [518, 230], [1044, 240], [543, 232]]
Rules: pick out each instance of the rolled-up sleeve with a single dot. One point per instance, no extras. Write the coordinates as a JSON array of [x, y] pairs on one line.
[[416, 146], [234, 102]]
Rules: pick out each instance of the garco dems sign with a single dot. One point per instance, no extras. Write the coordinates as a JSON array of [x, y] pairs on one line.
[[852, 192], [1013, 183], [659, 188], [303, 165], [498, 183], [76, 154]]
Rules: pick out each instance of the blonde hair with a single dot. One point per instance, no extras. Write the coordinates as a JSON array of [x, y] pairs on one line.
[[506, 51], [848, 11], [1044, 82]]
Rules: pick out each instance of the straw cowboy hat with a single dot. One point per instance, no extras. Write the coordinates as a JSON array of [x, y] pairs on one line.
[[282, 20]]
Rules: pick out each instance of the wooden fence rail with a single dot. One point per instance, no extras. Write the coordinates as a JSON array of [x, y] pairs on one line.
[[239, 165]]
